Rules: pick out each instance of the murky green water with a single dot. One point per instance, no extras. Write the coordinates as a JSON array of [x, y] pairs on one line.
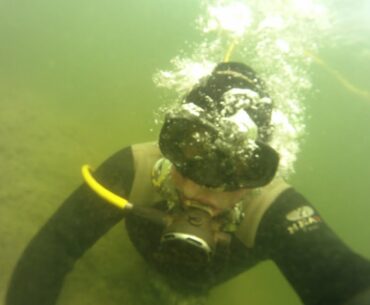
[[76, 85]]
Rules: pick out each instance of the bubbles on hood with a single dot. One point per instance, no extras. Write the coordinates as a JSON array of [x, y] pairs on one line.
[[237, 98], [274, 38], [193, 109], [241, 123]]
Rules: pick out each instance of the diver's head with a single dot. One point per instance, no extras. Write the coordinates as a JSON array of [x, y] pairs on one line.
[[218, 136]]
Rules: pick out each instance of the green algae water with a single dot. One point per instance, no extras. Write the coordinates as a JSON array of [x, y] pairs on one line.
[[76, 85]]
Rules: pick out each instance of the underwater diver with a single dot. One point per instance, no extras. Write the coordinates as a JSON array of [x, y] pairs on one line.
[[208, 203]]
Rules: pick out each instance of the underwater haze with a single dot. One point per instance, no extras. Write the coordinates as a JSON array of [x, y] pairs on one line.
[[79, 80]]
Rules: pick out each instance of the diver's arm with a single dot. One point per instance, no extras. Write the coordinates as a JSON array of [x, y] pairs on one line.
[[319, 266], [80, 221]]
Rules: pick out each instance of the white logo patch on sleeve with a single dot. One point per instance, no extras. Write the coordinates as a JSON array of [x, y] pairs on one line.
[[303, 219], [300, 213]]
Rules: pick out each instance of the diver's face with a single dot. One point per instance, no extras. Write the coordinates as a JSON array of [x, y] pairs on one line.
[[218, 201]]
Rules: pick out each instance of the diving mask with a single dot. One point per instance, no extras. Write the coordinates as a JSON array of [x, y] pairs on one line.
[[225, 152]]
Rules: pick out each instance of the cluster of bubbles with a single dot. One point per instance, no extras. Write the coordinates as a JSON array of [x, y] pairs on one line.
[[276, 38]]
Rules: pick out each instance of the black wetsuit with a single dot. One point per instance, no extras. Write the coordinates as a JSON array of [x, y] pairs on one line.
[[319, 266]]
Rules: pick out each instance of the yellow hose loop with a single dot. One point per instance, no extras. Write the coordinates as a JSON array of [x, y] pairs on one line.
[[104, 193]]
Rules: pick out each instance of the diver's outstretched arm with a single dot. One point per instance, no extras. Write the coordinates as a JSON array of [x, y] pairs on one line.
[[321, 268], [80, 221]]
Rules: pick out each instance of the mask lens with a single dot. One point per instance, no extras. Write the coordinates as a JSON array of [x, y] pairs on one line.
[[258, 169], [190, 147]]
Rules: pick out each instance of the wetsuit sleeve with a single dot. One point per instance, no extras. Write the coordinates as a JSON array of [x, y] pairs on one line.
[[321, 268], [80, 221]]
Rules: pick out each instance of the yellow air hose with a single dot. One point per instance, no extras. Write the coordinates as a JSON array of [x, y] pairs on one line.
[[230, 51], [339, 77], [104, 193]]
